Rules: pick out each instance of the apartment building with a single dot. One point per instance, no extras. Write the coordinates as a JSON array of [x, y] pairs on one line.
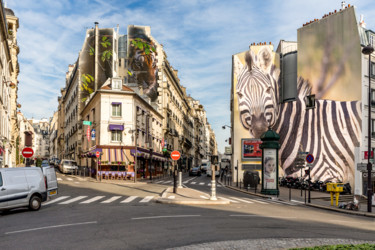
[[53, 139], [327, 73], [6, 143], [40, 138], [26, 137], [139, 64]]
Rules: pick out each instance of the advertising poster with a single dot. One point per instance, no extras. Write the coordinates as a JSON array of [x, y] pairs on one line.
[[269, 169], [251, 149]]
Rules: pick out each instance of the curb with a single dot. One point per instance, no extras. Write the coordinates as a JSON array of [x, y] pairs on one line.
[[360, 213], [341, 210]]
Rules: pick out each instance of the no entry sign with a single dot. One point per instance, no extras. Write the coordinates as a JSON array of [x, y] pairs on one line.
[[27, 152], [97, 154], [175, 155]]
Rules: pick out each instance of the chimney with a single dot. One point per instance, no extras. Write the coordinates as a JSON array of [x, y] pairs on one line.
[[362, 22], [343, 5]]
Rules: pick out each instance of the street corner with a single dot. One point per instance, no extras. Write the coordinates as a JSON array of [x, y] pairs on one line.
[[188, 196]]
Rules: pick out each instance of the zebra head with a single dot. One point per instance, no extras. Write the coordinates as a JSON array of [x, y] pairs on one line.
[[257, 91]]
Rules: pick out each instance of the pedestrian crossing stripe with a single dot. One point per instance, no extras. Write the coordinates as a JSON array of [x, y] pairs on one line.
[[129, 199], [111, 199], [73, 200], [226, 199], [147, 199], [56, 200], [243, 200], [92, 199]]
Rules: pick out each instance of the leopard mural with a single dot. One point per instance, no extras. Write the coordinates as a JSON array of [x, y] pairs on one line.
[[142, 64]]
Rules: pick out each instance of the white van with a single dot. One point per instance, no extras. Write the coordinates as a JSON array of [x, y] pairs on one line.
[[206, 165], [50, 173], [23, 187]]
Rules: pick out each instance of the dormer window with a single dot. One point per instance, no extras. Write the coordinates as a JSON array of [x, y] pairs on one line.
[[116, 84]]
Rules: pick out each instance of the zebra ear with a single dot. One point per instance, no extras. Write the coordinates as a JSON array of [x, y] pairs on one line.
[[248, 60]]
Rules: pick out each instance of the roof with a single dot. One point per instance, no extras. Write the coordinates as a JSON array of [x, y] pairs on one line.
[[9, 12], [109, 87]]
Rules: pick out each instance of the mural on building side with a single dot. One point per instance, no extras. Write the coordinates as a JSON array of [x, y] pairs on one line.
[[330, 131], [142, 61]]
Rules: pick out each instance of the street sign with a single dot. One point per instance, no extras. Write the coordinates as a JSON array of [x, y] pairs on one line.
[[162, 143], [93, 133], [87, 123], [361, 166], [310, 158], [88, 133], [27, 152], [97, 154], [214, 159], [175, 155], [228, 150], [165, 150]]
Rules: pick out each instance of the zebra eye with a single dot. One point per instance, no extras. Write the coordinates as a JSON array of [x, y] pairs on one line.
[[239, 94]]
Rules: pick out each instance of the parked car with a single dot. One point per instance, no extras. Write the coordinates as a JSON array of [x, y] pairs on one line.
[[206, 165], [22, 187], [195, 171], [209, 172], [68, 166]]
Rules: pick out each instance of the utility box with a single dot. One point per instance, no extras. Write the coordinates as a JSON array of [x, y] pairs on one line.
[[335, 187]]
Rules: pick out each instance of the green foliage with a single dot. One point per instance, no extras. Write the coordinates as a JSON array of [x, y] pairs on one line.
[[142, 45], [87, 82], [106, 55], [365, 246], [92, 51], [105, 42]]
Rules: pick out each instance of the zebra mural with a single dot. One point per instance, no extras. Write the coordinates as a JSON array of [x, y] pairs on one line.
[[330, 131]]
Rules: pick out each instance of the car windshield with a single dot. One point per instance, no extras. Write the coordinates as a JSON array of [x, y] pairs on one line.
[[70, 163], [204, 164], [196, 168]]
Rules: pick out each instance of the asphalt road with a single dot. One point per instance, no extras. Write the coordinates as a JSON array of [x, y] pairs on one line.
[[90, 215]]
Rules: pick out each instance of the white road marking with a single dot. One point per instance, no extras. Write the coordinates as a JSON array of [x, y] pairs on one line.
[[226, 199], [189, 180], [171, 197], [241, 200], [254, 215], [76, 182], [59, 179], [158, 182], [73, 200], [209, 184], [92, 199], [63, 225], [193, 182], [56, 200], [167, 182], [166, 216], [69, 179], [112, 199], [202, 183], [298, 201], [147, 199], [129, 199], [243, 215], [204, 197], [257, 201]]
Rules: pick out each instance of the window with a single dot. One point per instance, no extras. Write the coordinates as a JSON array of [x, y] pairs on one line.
[[372, 69], [373, 128], [116, 135], [310, 101], [1, 181], [116, 84], [116, 109]]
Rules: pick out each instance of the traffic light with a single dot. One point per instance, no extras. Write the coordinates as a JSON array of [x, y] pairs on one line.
[[307, 171]]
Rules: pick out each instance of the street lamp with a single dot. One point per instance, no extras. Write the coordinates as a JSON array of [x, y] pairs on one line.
[[223, 127], [368, 51]]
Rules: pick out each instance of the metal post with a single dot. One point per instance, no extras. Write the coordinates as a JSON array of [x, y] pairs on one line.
[[301, 183], [174, 180], [136, 151], [290, 193], [368, 51], [369, 165], [213, 183], [150, 167], [309, 200], [237, 173], [180, 173]]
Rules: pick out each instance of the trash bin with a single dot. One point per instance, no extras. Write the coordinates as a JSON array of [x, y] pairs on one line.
[[251, 178]]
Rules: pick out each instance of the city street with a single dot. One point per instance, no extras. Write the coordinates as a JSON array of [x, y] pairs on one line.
[[91, 215]]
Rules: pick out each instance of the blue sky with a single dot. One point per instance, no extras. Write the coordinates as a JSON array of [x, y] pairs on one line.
[[199, 38]]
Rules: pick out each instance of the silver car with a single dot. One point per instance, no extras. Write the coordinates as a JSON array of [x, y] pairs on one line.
[[22, 187], [68, 166]]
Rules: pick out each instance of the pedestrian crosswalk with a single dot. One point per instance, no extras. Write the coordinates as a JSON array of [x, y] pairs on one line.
[[188, 182], [83, 199]]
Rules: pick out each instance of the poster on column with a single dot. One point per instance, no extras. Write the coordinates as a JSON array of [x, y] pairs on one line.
[[269, 168]]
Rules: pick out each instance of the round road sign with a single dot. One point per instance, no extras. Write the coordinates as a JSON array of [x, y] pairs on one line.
[[27, 152], [97, 154], [175, 155], [310, 158]]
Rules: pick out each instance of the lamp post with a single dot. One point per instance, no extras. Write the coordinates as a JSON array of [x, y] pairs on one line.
[[181, 140], [368, 51]]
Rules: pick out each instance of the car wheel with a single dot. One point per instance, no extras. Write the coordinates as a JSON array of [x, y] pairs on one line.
[[35, 203]]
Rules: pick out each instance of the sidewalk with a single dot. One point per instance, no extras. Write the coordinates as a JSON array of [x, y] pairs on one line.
[[321, 200]]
